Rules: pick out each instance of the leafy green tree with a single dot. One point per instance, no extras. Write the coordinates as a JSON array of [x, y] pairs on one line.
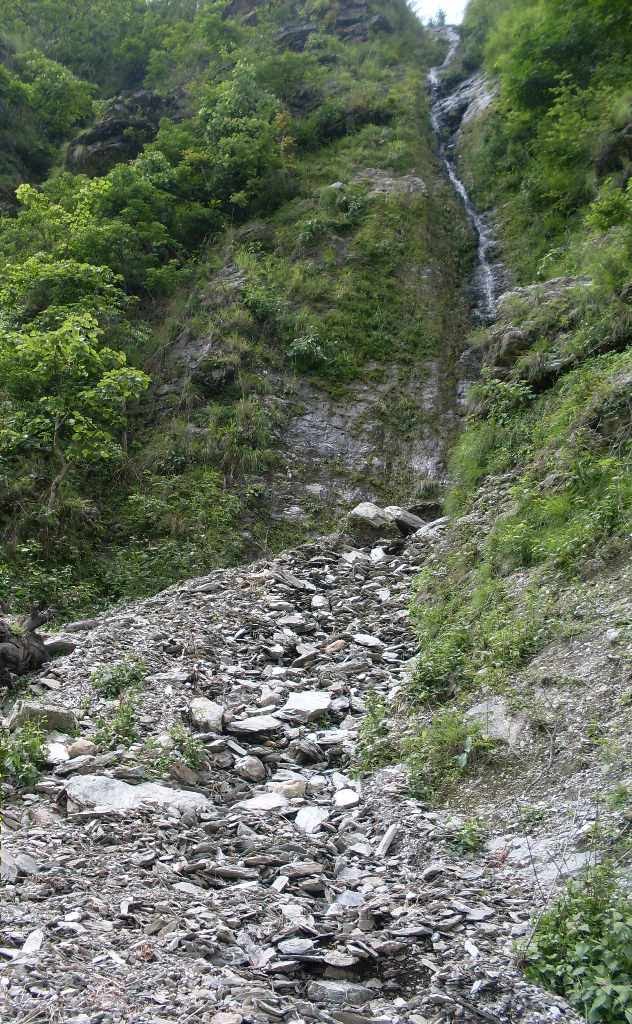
[[65, 399], [242, 134]]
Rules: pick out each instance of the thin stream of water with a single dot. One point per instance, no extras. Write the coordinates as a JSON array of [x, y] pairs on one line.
[[484, 277]]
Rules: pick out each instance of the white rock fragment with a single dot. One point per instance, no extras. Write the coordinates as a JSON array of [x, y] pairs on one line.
[[91, 791], [306, 705], [257, 723], [264, 802], [206, 715], [346, 798], [309, 819]]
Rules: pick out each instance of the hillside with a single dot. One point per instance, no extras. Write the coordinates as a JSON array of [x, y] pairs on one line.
[[316, 396], [251, 263]]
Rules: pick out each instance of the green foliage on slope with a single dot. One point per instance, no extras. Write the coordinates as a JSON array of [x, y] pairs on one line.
[[582, 947], [41, 103], [107, 489], [561, 126], [547, 445]]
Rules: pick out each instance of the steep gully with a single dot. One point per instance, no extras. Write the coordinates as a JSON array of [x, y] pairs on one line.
[[488, 276], [266, 884]]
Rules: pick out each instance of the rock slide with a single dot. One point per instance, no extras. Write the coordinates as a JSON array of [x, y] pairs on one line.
[[268, 884]]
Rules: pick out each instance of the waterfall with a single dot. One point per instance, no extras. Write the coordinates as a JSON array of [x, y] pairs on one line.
[[488, 275]]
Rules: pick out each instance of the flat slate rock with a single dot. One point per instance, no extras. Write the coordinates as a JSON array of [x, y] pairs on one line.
[[88, 791]]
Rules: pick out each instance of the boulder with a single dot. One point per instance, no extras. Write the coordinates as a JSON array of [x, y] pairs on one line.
[[346, 798], [49, 719], [367, 522], [340, 992], [497, 722], [407, 522], [128, 122], [310, 818], [264, 802], [206, 715], [251, 769], [255, 724], [92, 791], [82, 747], [307, 705], [56, 646]]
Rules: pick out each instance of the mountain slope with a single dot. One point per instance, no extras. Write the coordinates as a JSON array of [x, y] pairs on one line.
[[283, 253], [358, 807]]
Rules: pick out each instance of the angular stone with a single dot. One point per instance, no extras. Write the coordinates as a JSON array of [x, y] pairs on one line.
[[303, 869], [206, 715], [88, 791], [81, 625], [255, 724], [340, 992], [366, 521], [371, 642], [82, 747], [251, 769], [55, 750], [309, 819], [49, 718], [264, 802], [8, 867], [295, 947], [291, 788], [58, 645], [496, 721], [306, 705], [407, 522], [346, 798]]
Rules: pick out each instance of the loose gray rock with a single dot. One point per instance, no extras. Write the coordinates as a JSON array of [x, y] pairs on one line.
[[206, 715], [258, 723], [48, 717], [89, 791], [307, 705], [340, 992]]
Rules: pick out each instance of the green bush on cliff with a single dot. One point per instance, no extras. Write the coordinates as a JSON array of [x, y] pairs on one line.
[[582, 947], [558, 129]]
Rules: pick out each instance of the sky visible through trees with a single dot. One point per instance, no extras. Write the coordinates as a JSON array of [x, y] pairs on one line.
[[453, 9]]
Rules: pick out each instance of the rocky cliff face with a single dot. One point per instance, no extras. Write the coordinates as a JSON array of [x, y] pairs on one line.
[[127, 123]]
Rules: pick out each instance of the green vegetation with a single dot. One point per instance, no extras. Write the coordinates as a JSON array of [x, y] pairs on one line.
[[545, 459], [582, 947], [220, 263], [442, 753], [120, 728], [469, 624], [113, 680], [159, 758], [21, 755], [470, 837], [376, 747], [190, 748], [559, 130], [47, 102]]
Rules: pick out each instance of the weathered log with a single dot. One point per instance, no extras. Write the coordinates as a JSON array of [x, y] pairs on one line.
[[22, 650]]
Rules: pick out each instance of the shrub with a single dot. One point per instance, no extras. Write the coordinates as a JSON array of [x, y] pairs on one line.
[[442, 753], [376, 748], [582, 948], [112, 680], [470, 837], [21, 755], [189, 747], [120, 729], [467, 621]]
